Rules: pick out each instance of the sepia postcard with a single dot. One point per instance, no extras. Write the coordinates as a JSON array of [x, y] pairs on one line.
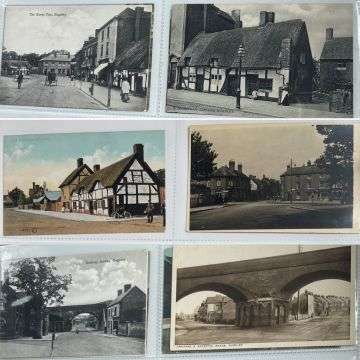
[[261, 60], [273, 177], [74, 306], [77, 56], [84, 183], [262, 296]]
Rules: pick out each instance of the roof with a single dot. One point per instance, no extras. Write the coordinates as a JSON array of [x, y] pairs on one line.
[[49, 195], [222, 13], [7, 199], [59, 57], [123, 295], [70, 178], [134, 57], [262, 45], [304, 170], [226, 171], [340, 48]]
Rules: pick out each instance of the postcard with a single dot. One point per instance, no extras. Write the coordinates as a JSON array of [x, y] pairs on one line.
[[261, 60], [77, 56], [273, 177], [84, 183], [262, 296], [74, 306]]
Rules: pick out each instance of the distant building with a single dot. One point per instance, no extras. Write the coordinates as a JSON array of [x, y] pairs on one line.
[[89, 63], [49, 201], [336, 62], [14, 66], [7, 201], [277, 55], [36, 190], [307, 182], [58, 62], [128, 307]]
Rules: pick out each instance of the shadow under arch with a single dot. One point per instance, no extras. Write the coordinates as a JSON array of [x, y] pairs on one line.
[[233, 293], [296, 284]]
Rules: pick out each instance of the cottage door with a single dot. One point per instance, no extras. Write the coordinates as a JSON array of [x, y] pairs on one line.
[[252, 83], [199, 85], [91, 207]]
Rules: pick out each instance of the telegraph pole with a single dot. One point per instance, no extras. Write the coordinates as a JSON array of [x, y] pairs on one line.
[[291, 182], [298, 294]]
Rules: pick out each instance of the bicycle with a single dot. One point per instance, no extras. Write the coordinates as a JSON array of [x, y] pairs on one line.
[[121, 214]]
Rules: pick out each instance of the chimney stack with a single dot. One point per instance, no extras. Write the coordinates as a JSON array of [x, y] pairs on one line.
[[33, 184], [119, 292], [232, 165], [240, 168], [329, 34], [96, 167], [139, 11], [139, 151], [127, 287], [80, 162], [266, 17], [309, 163], [236, 15], [288, 168]]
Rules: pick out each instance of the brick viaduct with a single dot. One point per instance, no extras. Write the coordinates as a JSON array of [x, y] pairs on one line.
[[262, 288]]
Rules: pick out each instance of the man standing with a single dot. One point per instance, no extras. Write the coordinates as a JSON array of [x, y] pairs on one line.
[[125, 90], [20, 79], [149, 211]]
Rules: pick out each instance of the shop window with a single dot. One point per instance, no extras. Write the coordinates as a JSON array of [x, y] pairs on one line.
[[266, 84]]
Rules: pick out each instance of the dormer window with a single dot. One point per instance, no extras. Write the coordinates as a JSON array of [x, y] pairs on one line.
[[187, 61], [214, 62]]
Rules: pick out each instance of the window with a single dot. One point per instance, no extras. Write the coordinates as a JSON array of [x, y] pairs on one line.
[[303, 58], [95, 204], [187, 61], [266, 84], [102, 35], [218, 183], [107, 49], [341, 66], [231, 183], [108, 32], [214, 62], [102, 51], [103, 204], [192, 78]]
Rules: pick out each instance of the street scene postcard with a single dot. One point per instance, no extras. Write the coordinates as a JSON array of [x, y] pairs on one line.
[[273, 177], [261, 60], [77, 56], [90, 305], [262, 296], [84, 183]]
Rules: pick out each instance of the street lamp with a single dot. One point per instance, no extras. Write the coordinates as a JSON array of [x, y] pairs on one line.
[[241, 53]]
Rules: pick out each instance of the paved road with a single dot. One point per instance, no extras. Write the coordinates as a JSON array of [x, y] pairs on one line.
[[34, 93], [318, 329], [73, 345], [264, 215]]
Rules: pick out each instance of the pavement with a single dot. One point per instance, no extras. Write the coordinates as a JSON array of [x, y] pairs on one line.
[[80, 217], [83, 344], [34, 93], [100, 94], [187, 101], [264, 215]]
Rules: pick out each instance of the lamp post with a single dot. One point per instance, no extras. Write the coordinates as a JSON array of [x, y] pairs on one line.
[[241, 52]]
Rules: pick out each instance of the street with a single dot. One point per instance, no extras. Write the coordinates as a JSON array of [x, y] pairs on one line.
[[187, 101], [70, 344], [26, 223], [66, 94], [267, 215], [332, 328]]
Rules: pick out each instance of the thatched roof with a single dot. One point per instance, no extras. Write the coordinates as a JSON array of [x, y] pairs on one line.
[[262, 45], [134, 57], [70, 178], [340, 48]]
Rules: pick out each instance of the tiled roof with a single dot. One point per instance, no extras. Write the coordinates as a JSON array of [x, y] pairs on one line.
[[262, 45], [340, 48]]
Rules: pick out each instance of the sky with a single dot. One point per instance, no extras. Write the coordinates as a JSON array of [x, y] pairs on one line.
[[264, 149], [98, 277], [197, 256], [41, 29], [51, 157]]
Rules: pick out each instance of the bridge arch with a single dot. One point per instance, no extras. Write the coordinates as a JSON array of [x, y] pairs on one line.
[[232, 292], [299, 282]]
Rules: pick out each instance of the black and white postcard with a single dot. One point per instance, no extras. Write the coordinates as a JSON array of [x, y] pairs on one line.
[[273, 177], [80, 57], [261, 60], [262, 296], [74, 306]]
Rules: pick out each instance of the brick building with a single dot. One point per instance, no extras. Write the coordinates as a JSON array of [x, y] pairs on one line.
[[276, 55], [89, 58], [304, 183]]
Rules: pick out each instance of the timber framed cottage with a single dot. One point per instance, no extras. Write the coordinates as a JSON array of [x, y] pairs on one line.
[[276, 56], [129, 183]]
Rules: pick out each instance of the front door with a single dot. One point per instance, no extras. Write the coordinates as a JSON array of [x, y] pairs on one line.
[[91, 207], [199, 85], [110, 206], [252, 83], [232, 84]]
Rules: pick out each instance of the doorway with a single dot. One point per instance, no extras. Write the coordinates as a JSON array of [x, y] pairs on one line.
[[199, 85], [252, 83]]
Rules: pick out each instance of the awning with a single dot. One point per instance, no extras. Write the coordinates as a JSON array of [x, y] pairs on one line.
[[100, 68]]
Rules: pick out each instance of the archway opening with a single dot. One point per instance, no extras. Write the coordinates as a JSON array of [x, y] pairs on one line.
[[84, 322]]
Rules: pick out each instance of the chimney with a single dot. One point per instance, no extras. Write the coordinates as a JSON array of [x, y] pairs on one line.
[[329, 34], [127, 287], [266, 17], [139, 151], [33, 185], [288, 168], [138, 19], [96, 167], [309, 163], [119, 292], [236, 15], [240, 168], [80, 162], [232, 165]]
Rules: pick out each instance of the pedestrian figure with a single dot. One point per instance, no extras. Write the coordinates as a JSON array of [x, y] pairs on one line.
[[149, 211], [285, 96], [20, 79], [163, 213], [52, 340], [125, 90]]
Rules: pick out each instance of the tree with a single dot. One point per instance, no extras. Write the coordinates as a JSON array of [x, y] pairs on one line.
[[202, 157], [32, 59], [17, 196], [161, 175], [337, 159], [37, 278]]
